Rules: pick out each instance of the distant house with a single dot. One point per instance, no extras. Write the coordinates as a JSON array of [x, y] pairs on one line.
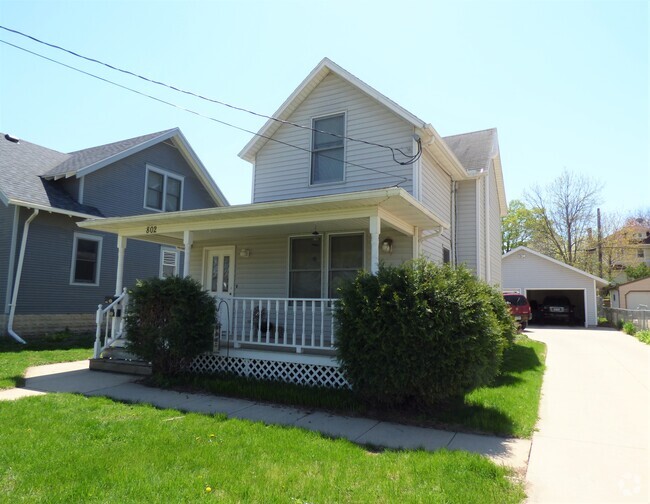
[[53, 274], [632, 295], [629, 246], [329, 199]]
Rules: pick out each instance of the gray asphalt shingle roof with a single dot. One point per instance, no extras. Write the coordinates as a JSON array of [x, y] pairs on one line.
[[474, 150]]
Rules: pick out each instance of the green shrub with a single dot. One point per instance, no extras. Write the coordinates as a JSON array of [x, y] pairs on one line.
[[619, 324], [629, 328], [169, 322], [420, 334], [644, 337], [603, 322]]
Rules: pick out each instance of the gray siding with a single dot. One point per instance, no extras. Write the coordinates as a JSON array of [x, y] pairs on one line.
[[529, 271], [494, 219], [283, 172], [6, 228], [118, 189], [466, 223], [435, 194]]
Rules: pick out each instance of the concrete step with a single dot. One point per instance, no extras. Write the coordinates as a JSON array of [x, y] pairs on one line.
[[134, 367]]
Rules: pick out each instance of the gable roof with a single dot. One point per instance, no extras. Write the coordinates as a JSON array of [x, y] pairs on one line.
[[28, 171], [520, 249], [638, 280], [478, 151]]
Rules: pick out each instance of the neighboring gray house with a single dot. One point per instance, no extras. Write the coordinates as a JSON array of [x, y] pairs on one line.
[[325, 205], [55, 274]]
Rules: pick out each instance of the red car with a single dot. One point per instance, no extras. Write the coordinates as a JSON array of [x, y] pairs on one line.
[[519, 308]]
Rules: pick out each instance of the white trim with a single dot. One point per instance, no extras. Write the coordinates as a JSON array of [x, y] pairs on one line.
[[83, 236], [311, 151], [37, 206], [600, 281], [253, 175], [82, 184], [165, 174], [12, 258]]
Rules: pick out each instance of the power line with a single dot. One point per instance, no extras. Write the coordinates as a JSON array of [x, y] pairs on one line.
[[199, 114], [410, 158]]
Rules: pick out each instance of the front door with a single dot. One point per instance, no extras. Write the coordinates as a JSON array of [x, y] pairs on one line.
[[219, 281]]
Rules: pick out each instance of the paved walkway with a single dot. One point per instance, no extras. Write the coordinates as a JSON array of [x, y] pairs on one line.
[[592, 439], [76, 377]]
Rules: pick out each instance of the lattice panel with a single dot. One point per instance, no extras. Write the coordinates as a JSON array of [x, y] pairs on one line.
[[290, 372]]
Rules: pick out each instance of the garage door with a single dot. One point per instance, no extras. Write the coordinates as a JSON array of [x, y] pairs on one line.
[[634, 299], [575, 297]]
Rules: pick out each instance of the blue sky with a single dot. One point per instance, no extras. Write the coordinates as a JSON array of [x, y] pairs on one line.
[[565, 83]]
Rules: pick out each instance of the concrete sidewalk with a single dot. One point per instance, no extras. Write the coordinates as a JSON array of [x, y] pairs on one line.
[[77, 378], [592, 438]]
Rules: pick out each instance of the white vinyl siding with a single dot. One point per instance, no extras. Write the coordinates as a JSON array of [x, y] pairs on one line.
[[86, 259], [495, 232], [435, 194], [283, 172], [163, 190], [466, 223]]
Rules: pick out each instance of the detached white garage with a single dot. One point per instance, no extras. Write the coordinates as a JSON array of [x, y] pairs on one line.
[[539, 277]]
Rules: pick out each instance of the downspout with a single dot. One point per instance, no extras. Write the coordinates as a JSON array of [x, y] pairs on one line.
[[19, 271]]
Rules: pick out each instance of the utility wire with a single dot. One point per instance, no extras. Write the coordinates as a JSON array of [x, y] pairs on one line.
[[214, 119], [410, 158]]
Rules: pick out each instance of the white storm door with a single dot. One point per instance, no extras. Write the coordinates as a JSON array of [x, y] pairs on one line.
[[219, 280]]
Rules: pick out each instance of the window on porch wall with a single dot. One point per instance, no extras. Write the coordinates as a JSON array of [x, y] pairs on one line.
[[305, 267], [346, 259]]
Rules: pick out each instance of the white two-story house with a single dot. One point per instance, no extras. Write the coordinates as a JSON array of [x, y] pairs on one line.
[[343, 179]]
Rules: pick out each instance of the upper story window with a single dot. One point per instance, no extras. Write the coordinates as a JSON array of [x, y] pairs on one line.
[[164, 191], [328, 150], [86, 259]]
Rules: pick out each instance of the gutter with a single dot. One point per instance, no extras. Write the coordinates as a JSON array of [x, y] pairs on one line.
[[14, 297]]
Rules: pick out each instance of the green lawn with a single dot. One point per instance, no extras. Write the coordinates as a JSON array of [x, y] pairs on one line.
[[69, 448], [509, 407], [62, 347]]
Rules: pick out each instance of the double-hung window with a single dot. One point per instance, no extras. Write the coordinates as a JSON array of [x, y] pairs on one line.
[[345, 260], [305, 267], [86, 259], [328, 149], [168, 262], [164, 191]]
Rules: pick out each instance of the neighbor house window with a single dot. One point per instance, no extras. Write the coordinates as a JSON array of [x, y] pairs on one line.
[[328, 152], [86, 259], [639, 253], [305, 267], [168, 262], [164, 190], [345, 260]]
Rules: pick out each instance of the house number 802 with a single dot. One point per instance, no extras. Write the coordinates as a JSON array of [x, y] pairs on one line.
[[151, 229]]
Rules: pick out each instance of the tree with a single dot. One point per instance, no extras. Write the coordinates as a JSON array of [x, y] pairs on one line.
[[637, 272], [517, 227], [566, 212]]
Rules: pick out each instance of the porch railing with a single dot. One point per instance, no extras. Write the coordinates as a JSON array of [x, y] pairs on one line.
[[279, 322], [110, 322]]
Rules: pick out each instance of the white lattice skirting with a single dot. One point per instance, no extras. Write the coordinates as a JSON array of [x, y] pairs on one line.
[[290, 372]]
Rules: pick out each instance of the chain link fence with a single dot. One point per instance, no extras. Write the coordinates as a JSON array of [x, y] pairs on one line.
[[619, 316]]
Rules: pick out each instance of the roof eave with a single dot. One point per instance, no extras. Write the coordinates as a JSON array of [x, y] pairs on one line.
[[51, 209]]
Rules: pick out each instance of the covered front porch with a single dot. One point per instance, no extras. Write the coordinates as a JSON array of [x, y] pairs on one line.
[[274, 268]]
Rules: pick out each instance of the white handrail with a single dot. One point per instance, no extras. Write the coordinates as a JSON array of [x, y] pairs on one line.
[[106, 315]]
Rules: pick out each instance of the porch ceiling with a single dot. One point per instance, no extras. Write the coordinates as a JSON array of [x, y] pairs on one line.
[[397, 209]]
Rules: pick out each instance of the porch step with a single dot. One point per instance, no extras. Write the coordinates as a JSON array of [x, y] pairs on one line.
[[121, 366]]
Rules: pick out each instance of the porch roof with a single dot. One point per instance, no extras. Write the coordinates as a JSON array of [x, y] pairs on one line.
[[394, 206]]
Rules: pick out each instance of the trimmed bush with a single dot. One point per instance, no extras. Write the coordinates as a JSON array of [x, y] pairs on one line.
[[169, 323], [644, 337], [420, 334]]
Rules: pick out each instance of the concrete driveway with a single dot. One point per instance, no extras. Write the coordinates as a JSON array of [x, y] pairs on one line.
[[592, 439]]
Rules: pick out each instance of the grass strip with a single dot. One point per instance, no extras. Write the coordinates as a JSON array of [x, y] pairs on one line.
[[69, 448]]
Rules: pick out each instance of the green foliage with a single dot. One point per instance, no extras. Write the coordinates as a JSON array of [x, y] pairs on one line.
[[169, 322], [603, 322], [637, 272], [517, 226], [629, 328], [643, 336], [619, 324], [420, 334]]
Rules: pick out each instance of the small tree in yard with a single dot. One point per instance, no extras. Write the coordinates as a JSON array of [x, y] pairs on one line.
[[420, 334], [169, 322]]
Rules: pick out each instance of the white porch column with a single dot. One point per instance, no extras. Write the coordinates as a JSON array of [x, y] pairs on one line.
[[375, 230], [187, 241], [416, 243], [121, 247]]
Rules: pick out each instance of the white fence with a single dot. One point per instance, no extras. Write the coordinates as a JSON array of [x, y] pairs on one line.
[[640, 318]]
